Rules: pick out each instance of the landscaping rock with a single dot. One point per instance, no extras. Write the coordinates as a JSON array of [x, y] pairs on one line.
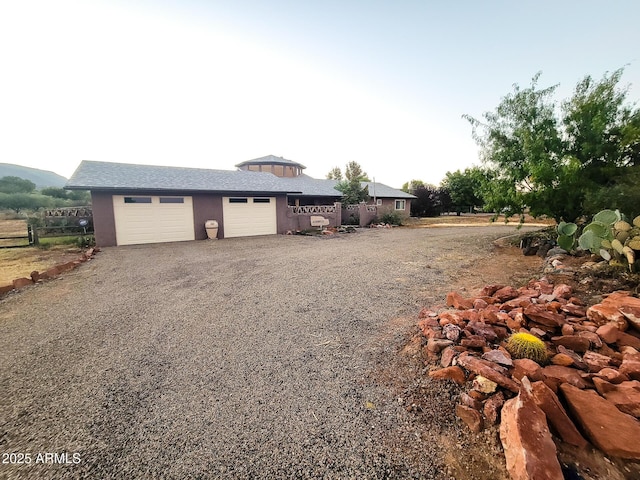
[[492, 407], [498, 356], [573, 342], [625, 396], [455, 300], [454, 373], [19, 283], [484, 385], [556, 415], [474, 365], [471, 417], [528, 448], [613, 432], [555, 375]]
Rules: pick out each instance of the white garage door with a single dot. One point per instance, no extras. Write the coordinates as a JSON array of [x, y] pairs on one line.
[[246, 216], [152, 219]]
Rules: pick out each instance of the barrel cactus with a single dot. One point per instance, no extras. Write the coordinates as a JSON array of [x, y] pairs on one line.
[[525, 345]]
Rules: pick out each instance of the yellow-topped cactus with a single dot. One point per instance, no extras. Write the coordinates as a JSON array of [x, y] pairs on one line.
[[525, 345]]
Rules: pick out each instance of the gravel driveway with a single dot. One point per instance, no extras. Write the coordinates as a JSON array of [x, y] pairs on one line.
[[242, 358]]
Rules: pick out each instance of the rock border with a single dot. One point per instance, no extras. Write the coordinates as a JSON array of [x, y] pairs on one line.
[[50, 273]]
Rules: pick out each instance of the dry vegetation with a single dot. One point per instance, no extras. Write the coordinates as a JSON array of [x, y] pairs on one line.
[[20, 262]]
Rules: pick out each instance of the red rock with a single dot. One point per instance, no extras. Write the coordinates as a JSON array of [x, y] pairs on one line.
[[595, 361], [430, 328], [489, 290], [492, 406], [574, 310], [498, 356], [471, 417], [455, 300], [542, 285], [505, 293], [518, 302], [537, 332], [562, 291], [35, 276], [469, 401], [625, 339], [609, 309], [556, 415], [528, 292], [541, 315], [631, 366], [53, 272], [577, 360], [516, 323], [612, 375], [450, 316], [573, 342], [447, 356], [523, 367], [567, 329], [625, 396], [6, 289], [470, 315], [19, 283], [479, 304], [555, 375], [613, 432], [490, 314], [593, 338], [454, 373], [426, 313], [562, 359], [528, 447], [608, 332], [484, 330], [631, 311], [474, 341], [436, 345], [451, 332], [481, 397], [476, 366]]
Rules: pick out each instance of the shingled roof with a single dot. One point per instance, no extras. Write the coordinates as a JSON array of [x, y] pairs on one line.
[[91, 175], [271, 160]]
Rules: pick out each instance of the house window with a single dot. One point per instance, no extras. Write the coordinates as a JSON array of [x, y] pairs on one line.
[[379, 202], [137, 199], [171, 200], [238, 200], [400, 204], [261, 200]]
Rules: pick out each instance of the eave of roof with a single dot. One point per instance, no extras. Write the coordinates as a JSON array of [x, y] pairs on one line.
[[271, 160]]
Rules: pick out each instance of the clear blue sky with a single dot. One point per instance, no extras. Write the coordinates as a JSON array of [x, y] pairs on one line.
[[213, 83]]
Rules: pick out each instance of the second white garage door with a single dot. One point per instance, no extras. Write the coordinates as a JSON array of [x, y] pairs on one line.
[[246, 216], [152, 219]]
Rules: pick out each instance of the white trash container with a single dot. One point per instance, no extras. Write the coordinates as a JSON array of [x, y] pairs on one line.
[[211, 226]]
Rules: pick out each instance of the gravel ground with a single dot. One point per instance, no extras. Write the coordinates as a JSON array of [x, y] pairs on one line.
[[264, 357]]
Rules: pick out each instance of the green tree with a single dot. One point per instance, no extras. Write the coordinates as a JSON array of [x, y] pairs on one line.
[[353, 171], [353, 191], [551, 160], [54, 192], [334, 174], [19, 202], [465, 188], [412, 186], [16, 185]]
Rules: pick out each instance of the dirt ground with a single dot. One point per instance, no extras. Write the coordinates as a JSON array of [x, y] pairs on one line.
[[20, 262]]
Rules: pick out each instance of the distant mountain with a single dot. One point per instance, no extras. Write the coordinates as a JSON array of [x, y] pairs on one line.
[[42, 178]]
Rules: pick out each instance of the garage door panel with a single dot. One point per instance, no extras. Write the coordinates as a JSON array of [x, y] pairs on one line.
[[170, 220], [248, 216]]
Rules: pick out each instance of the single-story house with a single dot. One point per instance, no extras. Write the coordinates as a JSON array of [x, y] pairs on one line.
[[134, 204]]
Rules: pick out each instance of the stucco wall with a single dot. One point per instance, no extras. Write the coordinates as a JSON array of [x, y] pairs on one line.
[[206, 207], [103, 221]]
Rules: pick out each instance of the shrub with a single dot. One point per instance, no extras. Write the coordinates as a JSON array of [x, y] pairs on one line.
[[392, 218]]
